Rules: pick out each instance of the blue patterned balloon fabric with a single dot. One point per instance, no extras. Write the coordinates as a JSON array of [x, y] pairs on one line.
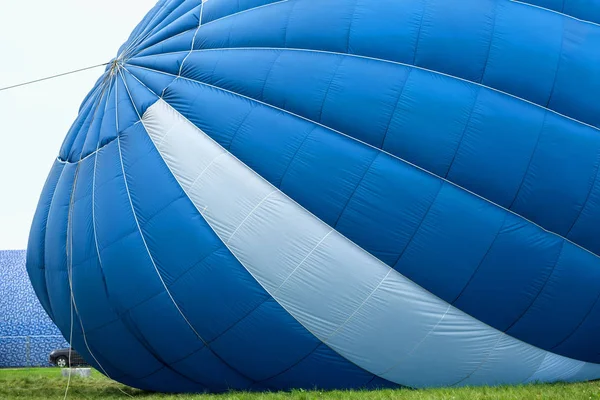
[[340, 194]]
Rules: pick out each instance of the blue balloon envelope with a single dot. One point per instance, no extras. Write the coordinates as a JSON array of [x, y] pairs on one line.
[[268, 195]]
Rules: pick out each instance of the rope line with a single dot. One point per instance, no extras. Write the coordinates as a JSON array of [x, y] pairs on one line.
[[52, 77]]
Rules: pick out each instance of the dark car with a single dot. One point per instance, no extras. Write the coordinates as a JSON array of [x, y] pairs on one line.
[[60, 358]]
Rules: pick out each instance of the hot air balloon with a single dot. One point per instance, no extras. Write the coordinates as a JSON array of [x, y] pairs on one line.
[[268, 195]]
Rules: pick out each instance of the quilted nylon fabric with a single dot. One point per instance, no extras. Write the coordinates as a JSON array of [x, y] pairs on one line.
[[452, 146]]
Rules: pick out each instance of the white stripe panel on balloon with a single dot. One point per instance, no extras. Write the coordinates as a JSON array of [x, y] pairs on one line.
[[360, 307]]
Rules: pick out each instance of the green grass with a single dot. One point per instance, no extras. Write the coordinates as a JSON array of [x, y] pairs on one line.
[[46, 384]]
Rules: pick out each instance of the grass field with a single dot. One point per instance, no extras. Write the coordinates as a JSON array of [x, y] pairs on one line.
[[46, 384]]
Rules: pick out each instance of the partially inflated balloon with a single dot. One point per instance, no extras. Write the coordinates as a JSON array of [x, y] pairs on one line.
[[265, 195]]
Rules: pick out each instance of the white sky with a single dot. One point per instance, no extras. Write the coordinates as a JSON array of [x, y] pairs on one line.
[[40, 38]]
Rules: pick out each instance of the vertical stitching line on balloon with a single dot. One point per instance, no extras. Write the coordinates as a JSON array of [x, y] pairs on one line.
[[482, 260], [587, 198], [550, 274], [335, 71], [418, 228], [489, 50], [362, 178], [389, 124], [415, 347], [287, 168], [418, 41], [250, 214], [533, 153], [484, 361], [580, 323], [352, 18], [464, 132]]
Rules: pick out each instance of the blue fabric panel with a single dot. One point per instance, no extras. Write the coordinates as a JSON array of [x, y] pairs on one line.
[[77, 147], [124, 256], [56, 249], [77, 125], [160, 336], [163, 13], [583, 342], [271, 32], [132, 356], [502, 58], [184, 19], [221, 280], [569, 295], [184, 96], [444, 34], [560, 175], [180, 43], [83, 244], [401, 27], [586, 228], [577, 80], [170, 244], [301, 89], [142, 25], [108, 131], [497, 146], [143, 98], [437, 255], [205, 363], [260, 344], [368, 104], [126, 113], [216, 68], [155, 82], [326, 369], [556, 5], [95, 88], [92, 136], [167, 378], [221, 9], [588, 10], [387, 231], [36, 248], [89, 282], [85, 261], [413, 129], [347, 163], [110, 185], [511, 275], [337, 15], [259, 131], [511, 51], [169, 63]]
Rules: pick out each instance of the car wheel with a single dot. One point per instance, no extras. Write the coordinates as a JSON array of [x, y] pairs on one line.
[[62, 362]]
